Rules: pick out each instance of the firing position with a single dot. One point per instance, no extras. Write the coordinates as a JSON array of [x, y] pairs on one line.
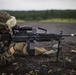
[[7, 22]]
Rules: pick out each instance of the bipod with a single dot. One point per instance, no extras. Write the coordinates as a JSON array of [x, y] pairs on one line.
[[60, 50]]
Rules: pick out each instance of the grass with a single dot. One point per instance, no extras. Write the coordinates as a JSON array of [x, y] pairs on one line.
[[20, 20], [54, 20], [60, 20]]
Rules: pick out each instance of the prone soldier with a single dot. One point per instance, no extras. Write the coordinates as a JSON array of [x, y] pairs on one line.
[[7, 22]]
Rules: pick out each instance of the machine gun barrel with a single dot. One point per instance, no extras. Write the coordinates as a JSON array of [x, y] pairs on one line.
[[36, 37], [69, 35], [39, 37]]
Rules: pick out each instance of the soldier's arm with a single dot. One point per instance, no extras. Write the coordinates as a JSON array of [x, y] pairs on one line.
[[6, 58]]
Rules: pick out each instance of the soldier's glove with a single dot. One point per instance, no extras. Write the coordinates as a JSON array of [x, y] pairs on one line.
[[18, 47]]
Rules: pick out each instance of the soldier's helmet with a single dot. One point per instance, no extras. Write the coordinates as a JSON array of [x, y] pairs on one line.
[[6, 20]]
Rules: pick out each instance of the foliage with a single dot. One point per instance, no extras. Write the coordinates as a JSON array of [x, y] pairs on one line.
[[69, 20], [44, 14]]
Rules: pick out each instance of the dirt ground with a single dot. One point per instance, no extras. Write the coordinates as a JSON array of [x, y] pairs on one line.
[[45, 65]]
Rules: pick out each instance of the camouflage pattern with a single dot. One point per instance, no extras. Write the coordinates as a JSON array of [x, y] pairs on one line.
[[3, 26], [4, 16], [7, 19], [6, 58]]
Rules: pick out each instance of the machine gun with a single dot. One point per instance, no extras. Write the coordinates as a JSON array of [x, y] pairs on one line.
[[30, 35]]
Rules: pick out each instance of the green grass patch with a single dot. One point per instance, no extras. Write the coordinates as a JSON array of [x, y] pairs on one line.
[[20, 20], [53, 20], [60, 20]]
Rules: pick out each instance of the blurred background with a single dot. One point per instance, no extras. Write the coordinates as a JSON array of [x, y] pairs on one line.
[[41, 10], [53, 15]]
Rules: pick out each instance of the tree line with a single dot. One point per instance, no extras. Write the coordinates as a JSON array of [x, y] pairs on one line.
[[43, 15]]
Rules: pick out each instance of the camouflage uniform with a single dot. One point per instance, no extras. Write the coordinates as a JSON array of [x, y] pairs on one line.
[[4, 16], [6, 57]]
